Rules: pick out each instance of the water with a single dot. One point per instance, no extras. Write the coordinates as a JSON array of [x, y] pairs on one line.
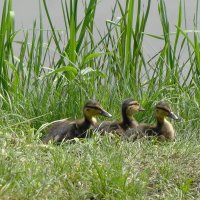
[[28, 10]]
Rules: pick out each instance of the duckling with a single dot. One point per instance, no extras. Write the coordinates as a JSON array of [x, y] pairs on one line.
[[65, 130], [129, 107], [163, 129]]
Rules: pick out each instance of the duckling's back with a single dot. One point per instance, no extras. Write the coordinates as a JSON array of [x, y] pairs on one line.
[[108, 127], [58, 131], [163, 131]]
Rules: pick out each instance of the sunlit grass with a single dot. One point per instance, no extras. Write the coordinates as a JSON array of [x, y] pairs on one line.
[[100, 168]]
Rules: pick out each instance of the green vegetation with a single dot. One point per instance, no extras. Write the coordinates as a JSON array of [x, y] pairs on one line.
[[110, 69], [103, 168]]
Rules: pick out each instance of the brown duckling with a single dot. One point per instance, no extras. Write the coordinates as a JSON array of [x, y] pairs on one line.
[[163, 129], [66, 130], [129, 107]]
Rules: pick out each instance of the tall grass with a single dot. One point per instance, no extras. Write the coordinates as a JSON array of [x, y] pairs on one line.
[[80, 67]]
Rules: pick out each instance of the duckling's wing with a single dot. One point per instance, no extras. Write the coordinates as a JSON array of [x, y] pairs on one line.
[[148, 130], [58, 131], [143, 130], [133, 134], [109, 127], [103, 127]]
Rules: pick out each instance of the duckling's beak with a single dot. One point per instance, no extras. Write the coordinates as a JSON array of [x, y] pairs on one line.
[[105, 113], [141, 109], [173, 116]]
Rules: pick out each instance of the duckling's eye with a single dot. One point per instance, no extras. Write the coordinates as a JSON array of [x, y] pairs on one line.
[[87, 110], [132, 108]]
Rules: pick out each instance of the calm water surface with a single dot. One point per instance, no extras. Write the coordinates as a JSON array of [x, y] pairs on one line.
[[26, 11]]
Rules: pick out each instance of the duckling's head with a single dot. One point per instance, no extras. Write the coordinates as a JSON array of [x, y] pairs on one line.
[[163, 110], [93, 108], [130, 106]]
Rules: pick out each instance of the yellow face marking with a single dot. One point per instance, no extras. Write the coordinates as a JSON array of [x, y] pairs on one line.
[[132, 108], [90, 112], [160, 113]]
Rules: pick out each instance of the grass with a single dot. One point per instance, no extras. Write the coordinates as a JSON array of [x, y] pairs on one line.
[[102, 168], [40, 84]]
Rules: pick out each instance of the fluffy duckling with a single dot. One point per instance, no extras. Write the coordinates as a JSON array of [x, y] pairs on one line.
[[129, 107], [65, 130], [163, 129]]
